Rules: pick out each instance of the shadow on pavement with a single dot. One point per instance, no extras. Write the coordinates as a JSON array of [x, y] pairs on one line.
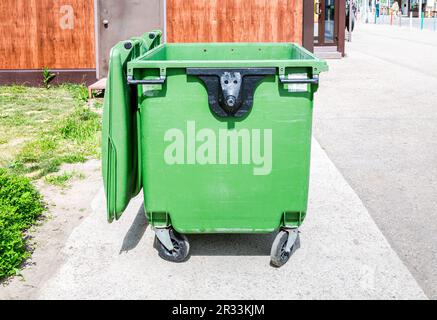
[[231, 244], [220, 244], [135, 232]]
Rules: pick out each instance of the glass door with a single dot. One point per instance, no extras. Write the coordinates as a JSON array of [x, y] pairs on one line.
[[325, 22]]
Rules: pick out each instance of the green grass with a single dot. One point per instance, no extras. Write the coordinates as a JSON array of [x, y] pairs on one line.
[[61, 180], [42, 129], [20, 207]]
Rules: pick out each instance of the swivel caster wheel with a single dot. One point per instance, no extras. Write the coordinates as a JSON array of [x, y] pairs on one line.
[[171, 245], [283, 247]]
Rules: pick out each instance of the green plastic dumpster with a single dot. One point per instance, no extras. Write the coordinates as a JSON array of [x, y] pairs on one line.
[[217, 135]]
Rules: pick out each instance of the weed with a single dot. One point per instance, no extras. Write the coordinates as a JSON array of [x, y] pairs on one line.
[[98, 104], [80, 125], [61, 180], [78, 92], [47, 77]]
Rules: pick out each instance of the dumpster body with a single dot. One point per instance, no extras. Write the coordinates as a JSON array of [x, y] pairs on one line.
[[218, 136]]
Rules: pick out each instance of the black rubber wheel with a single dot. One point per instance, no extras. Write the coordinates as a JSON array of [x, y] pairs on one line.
[[278, 255], [181, 247]]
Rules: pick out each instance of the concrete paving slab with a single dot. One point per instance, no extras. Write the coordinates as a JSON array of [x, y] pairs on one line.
[[342, 255]]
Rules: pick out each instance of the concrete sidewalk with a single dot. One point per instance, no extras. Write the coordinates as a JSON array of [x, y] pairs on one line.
[[342, 255], [376, 116]]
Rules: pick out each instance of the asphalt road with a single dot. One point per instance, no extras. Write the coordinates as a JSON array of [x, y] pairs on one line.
[[376, 117]]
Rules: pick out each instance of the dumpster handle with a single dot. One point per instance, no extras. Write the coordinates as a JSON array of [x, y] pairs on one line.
[[314, 80], [160, 80]]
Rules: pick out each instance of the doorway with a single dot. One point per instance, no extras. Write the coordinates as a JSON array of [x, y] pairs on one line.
[[326, 22], [120, 20]]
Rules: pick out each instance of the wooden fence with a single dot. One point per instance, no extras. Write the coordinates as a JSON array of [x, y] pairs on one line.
[[58, 34], [234, 20]]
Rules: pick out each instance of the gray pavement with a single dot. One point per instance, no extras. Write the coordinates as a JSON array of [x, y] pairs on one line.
[[342, 255], [376, 116]]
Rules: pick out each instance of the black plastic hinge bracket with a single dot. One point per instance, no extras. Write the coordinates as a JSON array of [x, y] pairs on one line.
[[231, 90]]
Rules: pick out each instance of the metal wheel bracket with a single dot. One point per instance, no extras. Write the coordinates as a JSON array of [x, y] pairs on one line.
[[163, 235], [292, 237]]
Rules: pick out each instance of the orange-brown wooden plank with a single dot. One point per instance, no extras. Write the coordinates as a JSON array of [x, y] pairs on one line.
[[34, 36], [234, 20]]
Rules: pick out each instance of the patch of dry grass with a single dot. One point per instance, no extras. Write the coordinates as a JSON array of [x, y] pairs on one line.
[[42, 128]]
